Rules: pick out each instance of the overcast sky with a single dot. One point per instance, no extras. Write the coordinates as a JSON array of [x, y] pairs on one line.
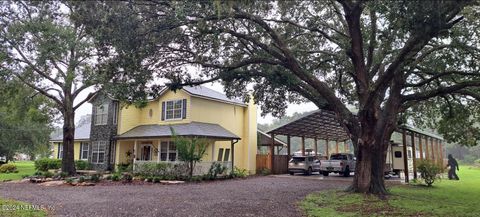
[[86, 108]]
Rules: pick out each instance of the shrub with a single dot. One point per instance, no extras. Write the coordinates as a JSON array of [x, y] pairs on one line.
[[8, 168], [127, 177], [477, 161], [264, 171], [115, 177], [82, 165], [81, 179], [239, 173], [429, 171], [124, 167], [48, 174], [46, 164], [215, 169], [152, 169], [69, 180], [95, 178]]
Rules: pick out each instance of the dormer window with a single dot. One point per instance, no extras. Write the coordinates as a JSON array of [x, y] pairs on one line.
[[101, 114], [173, 110]]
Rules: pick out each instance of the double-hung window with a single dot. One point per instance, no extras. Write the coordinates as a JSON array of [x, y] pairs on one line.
[[173, 109], [98, 152], [101, 114], [168, 151], [84, 148]]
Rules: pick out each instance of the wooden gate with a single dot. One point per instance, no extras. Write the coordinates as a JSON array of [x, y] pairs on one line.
[[280, 163]]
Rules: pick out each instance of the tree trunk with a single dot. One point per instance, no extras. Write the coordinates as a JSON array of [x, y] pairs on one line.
[[68, 163], [369, 171]]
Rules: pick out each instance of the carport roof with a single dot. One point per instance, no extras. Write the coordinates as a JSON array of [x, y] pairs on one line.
[[320, 124], [199, 129]]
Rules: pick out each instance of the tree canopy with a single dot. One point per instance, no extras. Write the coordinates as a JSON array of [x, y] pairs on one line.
[[45, 48], [25, 119], [389, 59]]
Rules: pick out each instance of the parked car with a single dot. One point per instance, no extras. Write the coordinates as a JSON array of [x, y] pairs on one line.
[[303, 164], [3, 160], [341, 163]]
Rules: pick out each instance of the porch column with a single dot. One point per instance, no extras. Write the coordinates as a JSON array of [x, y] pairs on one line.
[[303, 145], [326, 148], [441, 153], [134, 153], [405, 161], [272, 144], [213, 151], [315, 148], [232, 147], [288, 147], [337, 146], [414, 156], [158, 150], [345, 148], [439, 156], [420, 146]]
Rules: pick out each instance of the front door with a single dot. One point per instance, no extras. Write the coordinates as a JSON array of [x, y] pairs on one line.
[[146, 152]]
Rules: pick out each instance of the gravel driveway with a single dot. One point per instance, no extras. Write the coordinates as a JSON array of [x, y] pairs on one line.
[[258, 196]]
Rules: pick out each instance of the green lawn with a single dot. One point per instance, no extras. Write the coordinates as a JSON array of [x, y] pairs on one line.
[[23, 167], [445, 198], [12, 208]]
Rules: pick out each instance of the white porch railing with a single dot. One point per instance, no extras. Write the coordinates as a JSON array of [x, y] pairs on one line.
[[201, 168]]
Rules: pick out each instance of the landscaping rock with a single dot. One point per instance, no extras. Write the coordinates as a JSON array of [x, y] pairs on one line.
[[37, 180], [51, 183], [171, 182]]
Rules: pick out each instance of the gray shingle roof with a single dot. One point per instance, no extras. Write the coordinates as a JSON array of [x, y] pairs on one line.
[[205, 92], [189, 129], [82, 132]]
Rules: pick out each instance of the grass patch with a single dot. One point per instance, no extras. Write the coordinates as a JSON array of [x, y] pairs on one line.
[[445, 198], [12, 208], [23, 167]]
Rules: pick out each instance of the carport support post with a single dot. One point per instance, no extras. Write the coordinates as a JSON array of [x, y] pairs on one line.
[[326, 148], [414, 156], [315, 149], [288, 146], [272, 144], [405, 162], [427, 155], [433, 150], [303, 145], [336, 149], [134, 153], [420, 146]]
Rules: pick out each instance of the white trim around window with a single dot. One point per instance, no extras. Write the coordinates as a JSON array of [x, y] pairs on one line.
[[101, 114], [84, 149], [174, 110], [98, 152], [168, 151]]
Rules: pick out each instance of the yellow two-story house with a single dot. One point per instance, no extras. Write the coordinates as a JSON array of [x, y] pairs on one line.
[[127, 134]]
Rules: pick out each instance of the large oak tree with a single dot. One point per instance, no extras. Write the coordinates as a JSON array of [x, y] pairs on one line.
[[45, 49], [387, 58]]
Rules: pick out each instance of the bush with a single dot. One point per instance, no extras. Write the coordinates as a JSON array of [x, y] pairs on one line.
[[82, 165], [152, 169], [264, 172], [46, 164], [48, 174], [156, 179], [8, 168], [477, 161], [69, 180], [124, 167], [115, 177], [127, 177], [95, 178], [81, 179], [239, 173], [215, 169], [429, 171]]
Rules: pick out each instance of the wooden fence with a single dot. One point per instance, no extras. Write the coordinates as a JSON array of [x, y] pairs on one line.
[[280, 163]]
